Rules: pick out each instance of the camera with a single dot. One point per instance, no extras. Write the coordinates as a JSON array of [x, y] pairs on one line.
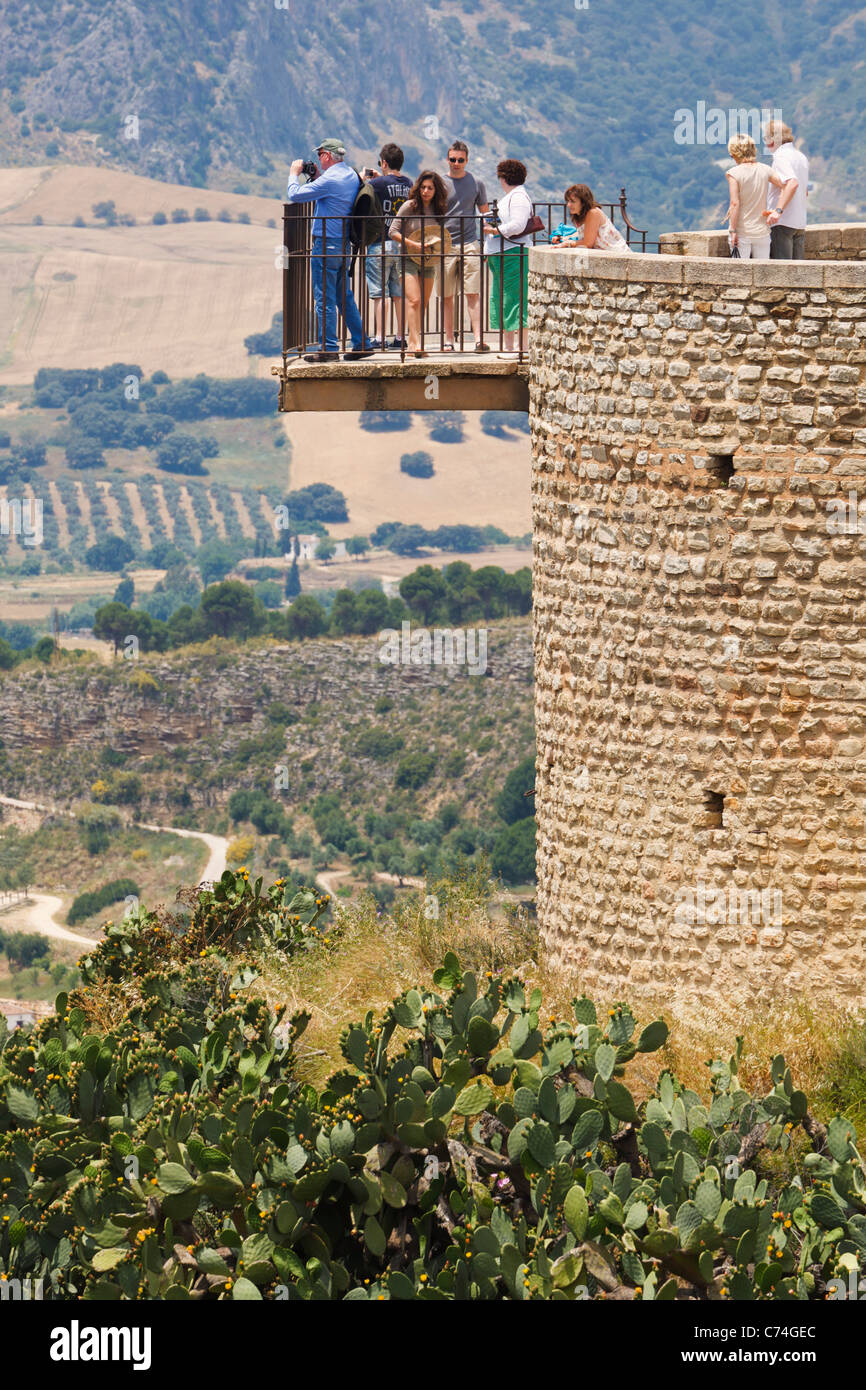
[[310, 170], [492, 216]]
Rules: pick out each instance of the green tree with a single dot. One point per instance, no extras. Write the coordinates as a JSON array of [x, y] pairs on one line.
[[344, 614], [408, 540], [231, 609], [423, 590], [373, 611], [112, 553], [306, 617], [326, 549], [357, 545], [513, 804], [417, 465], [125, 592], [112, 624], [24, 949], [44, 649], [84, 452], [513, 857], [293, 579], [217, 557]]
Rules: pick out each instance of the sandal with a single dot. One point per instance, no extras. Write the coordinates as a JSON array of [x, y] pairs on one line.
[[448, 347]]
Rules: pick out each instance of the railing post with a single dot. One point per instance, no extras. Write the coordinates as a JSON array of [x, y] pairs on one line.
[[295, 261]]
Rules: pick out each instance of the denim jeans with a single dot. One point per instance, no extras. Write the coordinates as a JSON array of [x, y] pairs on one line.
[[330, 275], [385, 268], [787, 243]]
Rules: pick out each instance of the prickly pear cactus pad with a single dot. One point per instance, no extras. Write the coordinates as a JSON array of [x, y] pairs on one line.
[[471, 1148]]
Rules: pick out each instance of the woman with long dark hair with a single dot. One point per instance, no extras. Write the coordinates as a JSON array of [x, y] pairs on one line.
[[418, 229], [595, 231]]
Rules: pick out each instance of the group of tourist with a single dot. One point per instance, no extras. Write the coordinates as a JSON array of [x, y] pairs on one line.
[[437, 231], [767, 211]]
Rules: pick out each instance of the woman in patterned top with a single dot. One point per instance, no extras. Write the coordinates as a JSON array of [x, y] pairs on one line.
[[599, 233]]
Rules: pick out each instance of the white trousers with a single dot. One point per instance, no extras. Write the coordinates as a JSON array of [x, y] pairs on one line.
[[755, 248]]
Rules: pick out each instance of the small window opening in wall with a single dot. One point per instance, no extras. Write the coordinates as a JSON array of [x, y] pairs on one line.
[[721, 468], [714, 810]]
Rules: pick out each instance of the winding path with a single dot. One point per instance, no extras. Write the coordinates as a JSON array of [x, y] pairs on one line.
[[39, 910], [217, 846]]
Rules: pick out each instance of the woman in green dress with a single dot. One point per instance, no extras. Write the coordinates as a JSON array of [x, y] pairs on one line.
[[506, 248]]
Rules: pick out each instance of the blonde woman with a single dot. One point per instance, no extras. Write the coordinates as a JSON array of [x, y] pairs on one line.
[[749, 182]]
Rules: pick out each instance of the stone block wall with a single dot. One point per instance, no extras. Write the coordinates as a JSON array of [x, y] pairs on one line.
[[825, 241], [699, 494]]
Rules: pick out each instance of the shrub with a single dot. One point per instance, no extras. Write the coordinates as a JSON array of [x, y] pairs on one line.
[[266, 344], [417, 465], [180, 215], [378, 743], [241, 849], [385, 421], [415, 770], [499, 423], [86, 904], [159, 219]]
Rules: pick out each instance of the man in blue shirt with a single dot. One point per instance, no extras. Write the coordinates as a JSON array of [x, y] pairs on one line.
[[334, 193]]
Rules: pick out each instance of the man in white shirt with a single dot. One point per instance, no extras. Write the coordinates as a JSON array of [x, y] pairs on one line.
[[787, 220]]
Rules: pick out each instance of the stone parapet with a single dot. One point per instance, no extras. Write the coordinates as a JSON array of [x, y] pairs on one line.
[[832, 241]]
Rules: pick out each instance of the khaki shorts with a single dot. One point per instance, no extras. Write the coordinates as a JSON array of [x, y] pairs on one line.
[[471, 271]]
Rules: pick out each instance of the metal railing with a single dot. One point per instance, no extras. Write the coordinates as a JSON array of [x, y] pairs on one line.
[[347, 282]]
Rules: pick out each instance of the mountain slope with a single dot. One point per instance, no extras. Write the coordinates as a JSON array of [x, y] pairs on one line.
[[224, 93]]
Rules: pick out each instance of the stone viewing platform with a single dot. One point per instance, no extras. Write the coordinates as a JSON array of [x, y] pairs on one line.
[[699, 495]]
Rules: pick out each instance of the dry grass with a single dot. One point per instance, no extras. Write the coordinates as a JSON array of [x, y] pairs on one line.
[[372, 958], [479, 482]]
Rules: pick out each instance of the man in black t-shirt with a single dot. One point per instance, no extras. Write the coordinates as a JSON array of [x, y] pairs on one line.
[[383, 268]]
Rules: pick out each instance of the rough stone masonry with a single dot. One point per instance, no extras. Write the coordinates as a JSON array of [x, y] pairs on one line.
[[700, 620]]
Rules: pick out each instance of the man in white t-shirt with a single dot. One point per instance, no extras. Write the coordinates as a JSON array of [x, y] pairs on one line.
[[787, 220]]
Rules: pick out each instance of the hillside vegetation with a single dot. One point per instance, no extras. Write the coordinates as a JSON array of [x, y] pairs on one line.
[[162, 1139], [176, 90]]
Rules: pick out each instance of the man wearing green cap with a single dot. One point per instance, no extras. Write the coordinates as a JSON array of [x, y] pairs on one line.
[[334, 193]]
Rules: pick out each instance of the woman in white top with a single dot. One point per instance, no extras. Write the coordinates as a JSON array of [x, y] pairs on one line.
[[747, 214], [599, 233], [505, 247]]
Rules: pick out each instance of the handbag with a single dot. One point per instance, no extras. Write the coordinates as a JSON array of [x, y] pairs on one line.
[[535, 224]]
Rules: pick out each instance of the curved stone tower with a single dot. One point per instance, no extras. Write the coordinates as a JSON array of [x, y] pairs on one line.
[[699, 493]]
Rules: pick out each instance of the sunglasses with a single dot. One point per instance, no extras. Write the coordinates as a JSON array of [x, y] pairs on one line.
[[455, 161]]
